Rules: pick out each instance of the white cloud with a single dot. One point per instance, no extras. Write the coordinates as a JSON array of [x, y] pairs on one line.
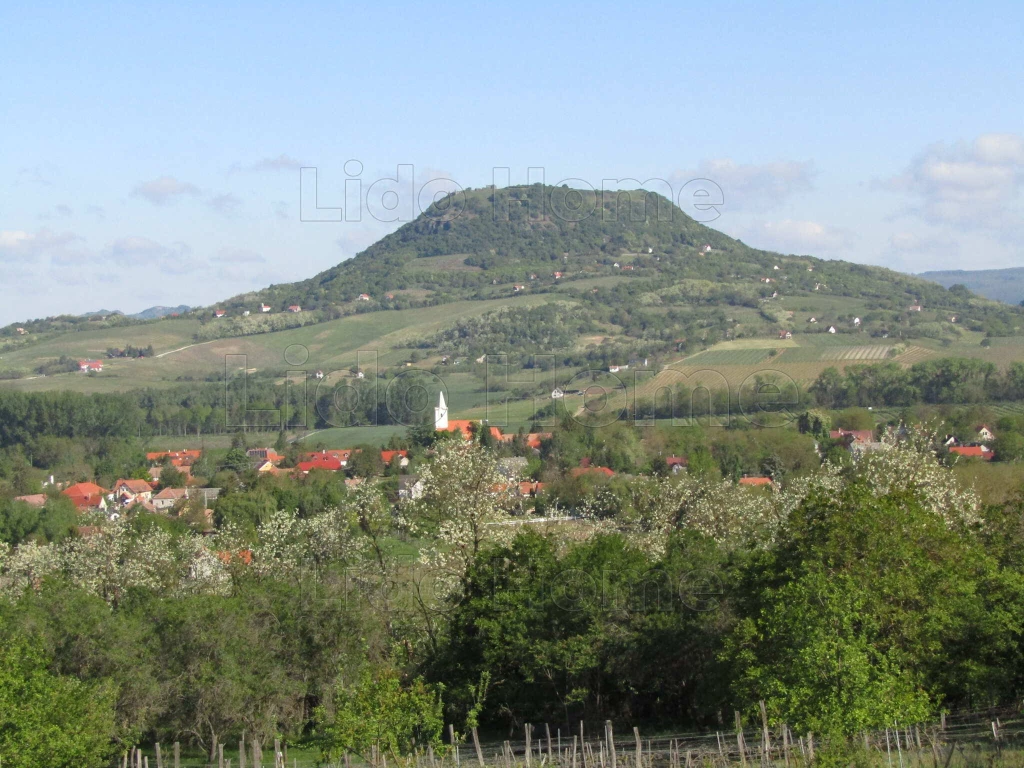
[[164, 190], [226, 204], [752, 186], [971, 184], [794, 236], [25, 247]]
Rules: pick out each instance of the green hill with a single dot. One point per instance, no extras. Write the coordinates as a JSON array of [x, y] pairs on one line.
[[522, 271], [490, 240]]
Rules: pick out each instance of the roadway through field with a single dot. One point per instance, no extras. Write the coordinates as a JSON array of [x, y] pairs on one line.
[[187, 346]]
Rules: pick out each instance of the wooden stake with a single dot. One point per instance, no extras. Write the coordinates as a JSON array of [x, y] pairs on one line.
[[177, 755], [810, 746], [476, 745]]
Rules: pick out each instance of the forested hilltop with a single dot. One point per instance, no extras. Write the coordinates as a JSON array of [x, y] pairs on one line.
[[503, 237]]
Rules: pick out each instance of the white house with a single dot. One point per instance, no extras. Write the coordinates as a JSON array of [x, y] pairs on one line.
[[856, 321], [557, 394], [831, 329], [264, 307], [985, 434]]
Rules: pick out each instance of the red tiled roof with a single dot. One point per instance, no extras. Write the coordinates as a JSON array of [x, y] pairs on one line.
[[854, 435], [341, 454], [533, 439], [328, 463], [755, 481], [460, 425], [190, 456], [243, 556], [973, 451], [85, 495], [388, 456], [676, 461], [530, 488], [171, 493], [135, 486], [592, 471]]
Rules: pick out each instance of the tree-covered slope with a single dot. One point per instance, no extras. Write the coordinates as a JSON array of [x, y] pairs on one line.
[[483, 243]]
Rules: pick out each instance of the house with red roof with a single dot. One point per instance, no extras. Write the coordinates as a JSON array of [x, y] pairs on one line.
[[86, 496], [341, 454], [90, 366], [388, 456], [676, 463], [295, 308], [755, 481], [168, 497], [530, 488], [324, 463], [129, 492], [973, 452], [183, 458]]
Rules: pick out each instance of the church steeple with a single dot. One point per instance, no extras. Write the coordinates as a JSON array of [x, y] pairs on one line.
[[441, 414]]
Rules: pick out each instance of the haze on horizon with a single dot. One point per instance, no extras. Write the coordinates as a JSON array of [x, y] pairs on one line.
[[153, 150]]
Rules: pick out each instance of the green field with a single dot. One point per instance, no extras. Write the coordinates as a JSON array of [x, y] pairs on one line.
[[373, 340]]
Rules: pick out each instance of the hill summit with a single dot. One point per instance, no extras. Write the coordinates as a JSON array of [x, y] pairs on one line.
[[488, 243]]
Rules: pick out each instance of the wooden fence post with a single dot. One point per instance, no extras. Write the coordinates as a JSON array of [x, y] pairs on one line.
[[739, 739], [177, 755], [610, 739], [639, 748], [159, 760], [476, 745], [810, 746]]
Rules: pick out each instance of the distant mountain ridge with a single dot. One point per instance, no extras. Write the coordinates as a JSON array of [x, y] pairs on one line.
[[153, 313], [1006, 285]]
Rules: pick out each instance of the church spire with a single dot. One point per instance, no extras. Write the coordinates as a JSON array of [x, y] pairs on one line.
[[441, 414]]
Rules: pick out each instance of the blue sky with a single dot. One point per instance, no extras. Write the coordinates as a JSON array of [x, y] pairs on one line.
[[151, 152]]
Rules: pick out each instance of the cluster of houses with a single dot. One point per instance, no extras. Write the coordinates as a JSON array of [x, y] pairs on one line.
[[976, 449], [294, 308], [90, 497], [859, 441], [263, 309]]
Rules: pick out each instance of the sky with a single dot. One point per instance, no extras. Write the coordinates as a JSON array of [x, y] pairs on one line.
[[152, 153]]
